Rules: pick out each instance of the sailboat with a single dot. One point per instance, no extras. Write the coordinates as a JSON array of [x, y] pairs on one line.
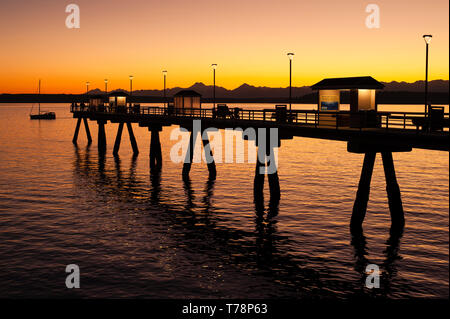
[[42, 115]]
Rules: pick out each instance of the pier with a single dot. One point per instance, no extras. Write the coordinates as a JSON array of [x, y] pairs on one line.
[[394, 132]]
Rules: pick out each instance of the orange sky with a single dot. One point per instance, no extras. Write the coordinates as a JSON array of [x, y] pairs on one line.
[[248, 39]]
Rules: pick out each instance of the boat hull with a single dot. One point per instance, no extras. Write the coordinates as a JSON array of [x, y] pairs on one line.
[[43, 116]]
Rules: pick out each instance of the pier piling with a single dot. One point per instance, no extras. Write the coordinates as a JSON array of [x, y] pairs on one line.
[[88, 132], [209, 156], [77, 129], [393, 191], [265, 156], [101, 135], [189, 154], [132, 139], [258, 182], [118, 139], [155, 148], [362, 195]]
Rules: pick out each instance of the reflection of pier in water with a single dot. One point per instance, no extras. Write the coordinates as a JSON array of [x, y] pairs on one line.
[[261, 250], [385, 138]]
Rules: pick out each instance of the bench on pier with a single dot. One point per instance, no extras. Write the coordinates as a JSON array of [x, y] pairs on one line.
[[434, 121], [136, 108], [223, 111], [281, 114]]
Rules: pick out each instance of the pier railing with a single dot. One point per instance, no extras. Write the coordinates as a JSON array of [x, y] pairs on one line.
[[329, 119]]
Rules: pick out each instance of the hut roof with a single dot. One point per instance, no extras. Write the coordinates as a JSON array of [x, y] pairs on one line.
[[187, 93], [97, 96], [118, 93], [360, 82]]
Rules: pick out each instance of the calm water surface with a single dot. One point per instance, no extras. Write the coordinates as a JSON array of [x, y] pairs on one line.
[[136, 234]]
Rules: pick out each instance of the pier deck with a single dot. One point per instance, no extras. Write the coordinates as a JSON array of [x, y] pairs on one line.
[[395, 128]]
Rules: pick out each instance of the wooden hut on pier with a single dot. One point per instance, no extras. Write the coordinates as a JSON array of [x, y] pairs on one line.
[[363, 104]]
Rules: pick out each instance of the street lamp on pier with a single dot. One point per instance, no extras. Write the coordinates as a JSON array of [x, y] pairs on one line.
[[165, 75], [427, 38], [214, 67], [131, 86], [291, 57]]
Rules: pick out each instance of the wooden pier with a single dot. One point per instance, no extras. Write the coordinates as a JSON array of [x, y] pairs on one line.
[[388, 132]]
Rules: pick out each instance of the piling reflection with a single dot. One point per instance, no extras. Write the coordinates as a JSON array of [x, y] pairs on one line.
[[155, 182], [196, 231], [388, 269], [189, 193], [266, 229], [392, 256], [209, 189]]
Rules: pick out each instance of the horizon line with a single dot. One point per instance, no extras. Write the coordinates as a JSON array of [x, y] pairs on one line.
[[218, 86]]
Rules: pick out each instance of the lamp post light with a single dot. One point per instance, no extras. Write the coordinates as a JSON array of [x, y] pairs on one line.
[[87, 87], [427, 38], [165, 75], [131, 86], [214, 67], [106, 86], [291, 57]]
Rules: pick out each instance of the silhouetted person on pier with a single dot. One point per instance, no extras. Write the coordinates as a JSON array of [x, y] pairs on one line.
[[236, 113]]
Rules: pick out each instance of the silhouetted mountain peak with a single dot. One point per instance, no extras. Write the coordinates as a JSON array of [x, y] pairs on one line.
[[95, 92], [198, 85]]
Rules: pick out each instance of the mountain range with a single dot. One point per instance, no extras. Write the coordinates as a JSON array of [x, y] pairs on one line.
[[246, 91]]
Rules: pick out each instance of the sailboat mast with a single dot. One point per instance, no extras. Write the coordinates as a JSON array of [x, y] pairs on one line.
[[39, 97]]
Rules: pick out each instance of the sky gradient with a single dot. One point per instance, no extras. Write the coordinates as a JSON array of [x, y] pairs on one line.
[[248, 39]]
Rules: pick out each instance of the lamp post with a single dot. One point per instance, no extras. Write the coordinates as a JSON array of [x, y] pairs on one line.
[[427, 38], [87, 88], [106, 86], [165, 75], [291, 56], [131, 86], [214, 67]]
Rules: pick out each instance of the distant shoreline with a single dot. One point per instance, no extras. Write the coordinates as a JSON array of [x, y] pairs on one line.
[[387, 97]]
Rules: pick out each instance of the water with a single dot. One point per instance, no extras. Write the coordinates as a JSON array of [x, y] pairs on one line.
[[136, 234]]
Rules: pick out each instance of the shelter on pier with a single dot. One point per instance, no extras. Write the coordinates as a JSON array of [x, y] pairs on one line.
[[363, 104], [187, 102], [118, 101], [96, 103]]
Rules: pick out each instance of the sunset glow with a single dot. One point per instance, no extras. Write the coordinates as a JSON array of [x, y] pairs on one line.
[[248, 40]]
